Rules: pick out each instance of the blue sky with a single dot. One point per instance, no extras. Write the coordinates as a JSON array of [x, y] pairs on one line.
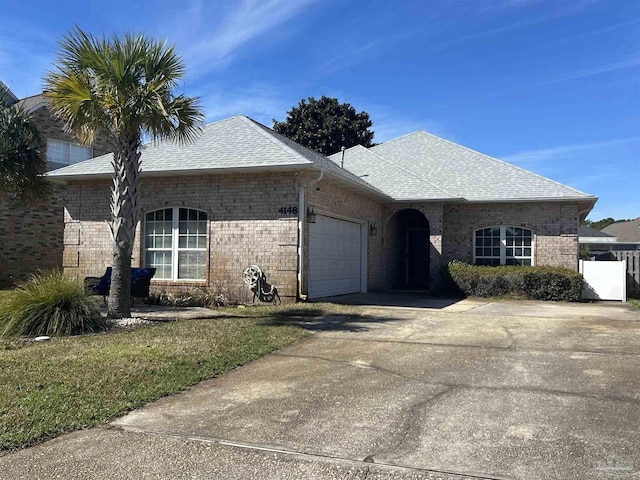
[[552, 86]]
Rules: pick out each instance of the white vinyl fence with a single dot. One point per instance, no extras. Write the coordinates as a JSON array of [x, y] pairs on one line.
[[604, 280]]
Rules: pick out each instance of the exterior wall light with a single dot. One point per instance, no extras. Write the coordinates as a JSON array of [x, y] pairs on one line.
[[311, 214], [373, 229]]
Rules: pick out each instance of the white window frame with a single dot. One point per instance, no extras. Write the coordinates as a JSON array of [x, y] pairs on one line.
[[503, 244], [175, 249], [51, 143]]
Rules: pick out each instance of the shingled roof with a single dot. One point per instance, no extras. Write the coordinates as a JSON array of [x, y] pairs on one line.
[[416, 167], [413, 161], [236, 144], [33, 103], [625, 231]]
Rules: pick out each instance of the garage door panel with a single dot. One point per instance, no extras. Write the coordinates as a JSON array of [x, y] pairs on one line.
[[334, 257]]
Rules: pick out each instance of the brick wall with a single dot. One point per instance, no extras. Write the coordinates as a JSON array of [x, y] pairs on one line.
[[392, 267], [245, 227], [31, 235], [334, 199], [554, 225]]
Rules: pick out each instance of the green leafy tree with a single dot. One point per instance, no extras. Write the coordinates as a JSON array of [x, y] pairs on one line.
[[122, 88], [326, 125], [603, 223], [22, 165]]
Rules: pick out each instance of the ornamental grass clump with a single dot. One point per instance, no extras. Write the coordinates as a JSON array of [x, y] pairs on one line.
[[50, 303]]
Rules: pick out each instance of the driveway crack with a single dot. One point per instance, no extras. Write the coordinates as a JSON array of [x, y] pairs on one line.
[[411, 422]]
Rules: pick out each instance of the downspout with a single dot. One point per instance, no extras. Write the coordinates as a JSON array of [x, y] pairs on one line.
[[301, 219], [580, 212]]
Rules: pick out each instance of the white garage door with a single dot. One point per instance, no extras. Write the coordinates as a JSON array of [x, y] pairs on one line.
[[334, 257]]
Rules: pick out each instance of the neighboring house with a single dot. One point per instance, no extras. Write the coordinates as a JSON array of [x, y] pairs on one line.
[[596, 240], [601, 241], [32, 235], [628, 234], [243, 195]]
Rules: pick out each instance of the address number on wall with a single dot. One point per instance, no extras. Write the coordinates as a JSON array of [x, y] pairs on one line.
[[288, 210]]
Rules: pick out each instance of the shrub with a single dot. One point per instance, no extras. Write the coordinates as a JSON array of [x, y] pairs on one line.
[[534, 283], [195, 297], [50, 304]]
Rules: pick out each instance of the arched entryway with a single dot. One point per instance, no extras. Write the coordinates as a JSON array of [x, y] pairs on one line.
[[409, 249]]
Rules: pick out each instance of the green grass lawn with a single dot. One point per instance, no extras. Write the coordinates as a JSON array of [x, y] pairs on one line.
[[634, 301], [70, 383]]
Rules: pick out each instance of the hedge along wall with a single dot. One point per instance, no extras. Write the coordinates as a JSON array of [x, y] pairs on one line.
[[534, 283]]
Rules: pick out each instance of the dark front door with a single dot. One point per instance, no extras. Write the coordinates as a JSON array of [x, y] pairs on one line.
[[417, 260]]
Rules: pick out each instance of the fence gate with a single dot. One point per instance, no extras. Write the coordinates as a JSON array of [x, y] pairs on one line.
[[632, 259], [604, 280]]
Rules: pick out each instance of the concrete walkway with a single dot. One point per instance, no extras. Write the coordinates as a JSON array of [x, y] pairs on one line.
[[464, 390]]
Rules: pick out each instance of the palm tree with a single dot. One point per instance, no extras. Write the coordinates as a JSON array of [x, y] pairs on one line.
[[122, 88], [22, 164]]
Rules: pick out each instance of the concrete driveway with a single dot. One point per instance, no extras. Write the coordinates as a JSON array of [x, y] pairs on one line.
[[470, 389]]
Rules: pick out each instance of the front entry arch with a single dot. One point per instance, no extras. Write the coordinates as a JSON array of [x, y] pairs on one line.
[[411, 257]]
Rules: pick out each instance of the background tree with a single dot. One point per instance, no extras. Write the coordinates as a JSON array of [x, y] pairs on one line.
[[122, 89], [603, 223], [326, 125], [22, 165]]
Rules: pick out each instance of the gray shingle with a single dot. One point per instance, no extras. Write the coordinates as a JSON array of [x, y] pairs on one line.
[[587, 231], [33, 102], [394, 180], [467, 174], [625, 231], [234, 143]]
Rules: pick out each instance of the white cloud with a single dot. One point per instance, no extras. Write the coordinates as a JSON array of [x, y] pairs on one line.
[[530, 158], [213, 43], [597, 70]]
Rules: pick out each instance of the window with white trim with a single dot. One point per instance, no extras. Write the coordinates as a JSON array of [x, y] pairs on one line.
[[504, 245], [59, 151], [175, 243]]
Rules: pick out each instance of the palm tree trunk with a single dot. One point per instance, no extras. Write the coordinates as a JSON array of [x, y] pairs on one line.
[[125, 194]]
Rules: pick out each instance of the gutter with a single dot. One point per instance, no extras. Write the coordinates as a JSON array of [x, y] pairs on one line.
[[301, 219]]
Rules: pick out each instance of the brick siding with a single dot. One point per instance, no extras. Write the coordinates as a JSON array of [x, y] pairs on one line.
[[245, 228], [32, 234], [554, 225]]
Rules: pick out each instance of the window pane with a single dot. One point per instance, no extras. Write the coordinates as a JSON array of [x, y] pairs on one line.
[[191, 265], [162, 262]]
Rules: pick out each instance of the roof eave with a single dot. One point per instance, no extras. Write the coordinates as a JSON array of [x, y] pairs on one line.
[[536, 200], [62, 178], [363, 187]]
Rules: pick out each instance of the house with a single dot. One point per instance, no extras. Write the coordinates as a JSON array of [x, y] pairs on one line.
[[628, 234], [365, 219], [596, 240], [607, 239], [32, 234]]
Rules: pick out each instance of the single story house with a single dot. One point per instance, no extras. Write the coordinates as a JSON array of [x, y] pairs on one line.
[[364, 219], [627, 233]]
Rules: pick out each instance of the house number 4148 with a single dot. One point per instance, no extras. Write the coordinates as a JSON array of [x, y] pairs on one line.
[[288, 210]]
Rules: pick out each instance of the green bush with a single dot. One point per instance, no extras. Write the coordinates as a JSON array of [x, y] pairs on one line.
[[50, 304], [534, 283]]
